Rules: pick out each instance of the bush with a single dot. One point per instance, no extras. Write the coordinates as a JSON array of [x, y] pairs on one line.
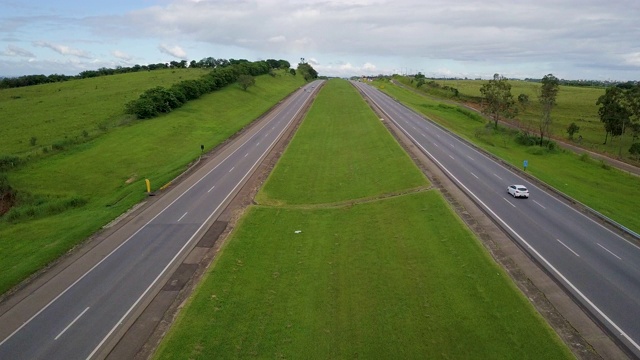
[[526, 139], [9, 161]]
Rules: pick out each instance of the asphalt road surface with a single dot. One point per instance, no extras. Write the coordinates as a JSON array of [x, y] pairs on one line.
[[598, 267], [74, 314]]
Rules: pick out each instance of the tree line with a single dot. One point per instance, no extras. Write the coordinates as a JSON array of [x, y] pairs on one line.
[[161, 100], [619, 107], [205, 63]]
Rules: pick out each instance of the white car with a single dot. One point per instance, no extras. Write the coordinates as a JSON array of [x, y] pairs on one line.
[[518, 191]]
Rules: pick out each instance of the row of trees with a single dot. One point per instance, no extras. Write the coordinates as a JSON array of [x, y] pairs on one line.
[[619, 107], [159, 100], [206, 63], [498, 102]]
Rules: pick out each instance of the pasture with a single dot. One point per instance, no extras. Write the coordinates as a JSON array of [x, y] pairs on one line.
[[66, 196]]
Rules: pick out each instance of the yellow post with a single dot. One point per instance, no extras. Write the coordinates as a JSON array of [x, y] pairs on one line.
[[148, 185]]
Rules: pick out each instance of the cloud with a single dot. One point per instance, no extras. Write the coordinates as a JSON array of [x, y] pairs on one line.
[[175, 51], [121, 55], [63, 49], [13, 50], [465, 36]]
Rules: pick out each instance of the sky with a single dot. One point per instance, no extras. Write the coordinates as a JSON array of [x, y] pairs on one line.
[[571, 39]]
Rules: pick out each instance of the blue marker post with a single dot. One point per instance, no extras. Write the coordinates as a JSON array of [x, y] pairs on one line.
[[525, 164]]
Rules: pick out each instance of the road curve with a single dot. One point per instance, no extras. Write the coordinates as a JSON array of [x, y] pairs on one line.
[[600, 269], [75, 313]]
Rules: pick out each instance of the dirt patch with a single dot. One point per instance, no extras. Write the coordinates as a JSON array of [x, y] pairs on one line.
[[7, 200]]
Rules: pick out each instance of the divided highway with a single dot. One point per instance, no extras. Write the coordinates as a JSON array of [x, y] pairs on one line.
[[74, 314], [598, 267]]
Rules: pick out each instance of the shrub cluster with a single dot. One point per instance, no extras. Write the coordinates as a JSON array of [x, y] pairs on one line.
[[8, 162], [526, 139]]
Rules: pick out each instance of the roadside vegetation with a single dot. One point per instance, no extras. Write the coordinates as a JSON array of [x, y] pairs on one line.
[[62, 197], [349, 253], [576, 105], [594, 183]]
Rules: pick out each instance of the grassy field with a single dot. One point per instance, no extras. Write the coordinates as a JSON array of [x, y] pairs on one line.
[[385, 273], [86, 108], [607, 190], [574, 104], [67, 196]]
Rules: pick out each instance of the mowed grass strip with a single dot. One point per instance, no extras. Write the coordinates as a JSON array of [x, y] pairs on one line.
[[347, 152], [397, 278], [108, 173], [603, 188]]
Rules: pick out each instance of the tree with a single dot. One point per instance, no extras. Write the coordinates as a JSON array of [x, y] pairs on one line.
[[572, 129], [306, 70], [613, 111], [635, 150], [498, 100], [245, 81], [547, 97]]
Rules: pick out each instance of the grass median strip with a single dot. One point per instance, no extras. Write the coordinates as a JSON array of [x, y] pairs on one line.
[[395, 276]]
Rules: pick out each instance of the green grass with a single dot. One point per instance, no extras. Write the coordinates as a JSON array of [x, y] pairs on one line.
[[574, 104], [105, 176], [607, 190], [399, 278], [390, 277], [55, 113], [364, 160]]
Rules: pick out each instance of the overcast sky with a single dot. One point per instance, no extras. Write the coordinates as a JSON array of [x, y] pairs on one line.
[[573, 39]]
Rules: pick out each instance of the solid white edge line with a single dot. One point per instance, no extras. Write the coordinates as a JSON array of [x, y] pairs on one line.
[[71, 324], [194, 234], [556, 271]]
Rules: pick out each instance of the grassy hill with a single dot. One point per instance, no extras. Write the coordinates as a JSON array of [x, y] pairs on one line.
[[66, 195]]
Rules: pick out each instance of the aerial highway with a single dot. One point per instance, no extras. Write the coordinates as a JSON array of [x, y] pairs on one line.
[[598, 267], [79, 310]]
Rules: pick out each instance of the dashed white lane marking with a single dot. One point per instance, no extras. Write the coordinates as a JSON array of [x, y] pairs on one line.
[[540, 206], [609, 251], [211, 188], [509, 202], [182, 217], [230, 170], [474, 175], [563, 244], [497, 176], [71, 324]]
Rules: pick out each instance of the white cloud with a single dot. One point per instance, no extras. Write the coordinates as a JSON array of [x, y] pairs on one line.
[[63, 49], [13, 50], [175, 51], [575, 37], [121, 55]]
